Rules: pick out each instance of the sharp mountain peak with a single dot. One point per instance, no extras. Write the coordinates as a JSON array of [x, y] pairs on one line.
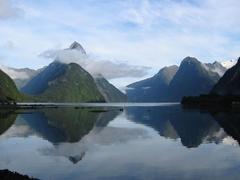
[[77, 46]]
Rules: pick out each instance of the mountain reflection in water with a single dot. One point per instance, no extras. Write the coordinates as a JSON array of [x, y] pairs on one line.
[[87, 137], [192, 127]]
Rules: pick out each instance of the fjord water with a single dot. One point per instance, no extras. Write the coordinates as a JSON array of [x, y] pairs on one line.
[[138, 142]]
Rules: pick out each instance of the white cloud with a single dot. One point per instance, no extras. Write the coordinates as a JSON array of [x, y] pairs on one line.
[[109, 69], [14, 74], [8, 10], [184, 14], [141, 32], [8, 45]]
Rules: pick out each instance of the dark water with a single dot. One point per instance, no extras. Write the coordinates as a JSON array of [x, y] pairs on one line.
[[159, 142]]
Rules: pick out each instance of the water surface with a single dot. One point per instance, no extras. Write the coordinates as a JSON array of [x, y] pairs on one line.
[[141, 142]]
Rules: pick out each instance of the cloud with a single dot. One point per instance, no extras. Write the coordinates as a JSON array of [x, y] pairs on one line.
[[205, 14], [143, 32], [8, 9], [14, 74], [8, 45], [106, 136], [95, 66]]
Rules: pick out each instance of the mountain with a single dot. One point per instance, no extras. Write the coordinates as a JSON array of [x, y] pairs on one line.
[[8, 89], [216, 67], [20, 82], [60, 82], [76, 46], [228, 64], [172, 83], [40, 83], [64, 82], [229, 83], [20, 76], [191, 79], [109, 92], [192, 128], [152, 89]]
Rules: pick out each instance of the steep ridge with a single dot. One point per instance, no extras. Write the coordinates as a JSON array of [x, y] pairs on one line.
[[110, 92], [152, 89]]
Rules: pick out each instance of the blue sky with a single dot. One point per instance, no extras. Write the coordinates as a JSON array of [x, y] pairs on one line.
[[143, 33]]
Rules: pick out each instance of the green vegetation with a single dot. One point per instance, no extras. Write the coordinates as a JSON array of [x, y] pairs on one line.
[[75, 85], [63, 83], [8, 90]]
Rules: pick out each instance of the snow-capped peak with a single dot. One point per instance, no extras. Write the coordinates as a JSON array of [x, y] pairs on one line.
[[228, 64], [215, 67]]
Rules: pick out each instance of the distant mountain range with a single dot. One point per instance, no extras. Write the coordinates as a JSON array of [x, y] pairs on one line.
[[172, 83], [69, 82]]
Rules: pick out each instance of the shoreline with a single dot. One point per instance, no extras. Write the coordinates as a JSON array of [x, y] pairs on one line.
[[39, 105], [211, 102]]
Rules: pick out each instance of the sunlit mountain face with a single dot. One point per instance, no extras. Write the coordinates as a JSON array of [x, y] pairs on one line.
[[82, 139]]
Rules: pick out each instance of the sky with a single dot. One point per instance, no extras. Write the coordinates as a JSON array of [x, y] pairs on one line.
[[120, 35]]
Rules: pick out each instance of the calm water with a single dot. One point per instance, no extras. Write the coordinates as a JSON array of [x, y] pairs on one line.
[[152, 142]]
